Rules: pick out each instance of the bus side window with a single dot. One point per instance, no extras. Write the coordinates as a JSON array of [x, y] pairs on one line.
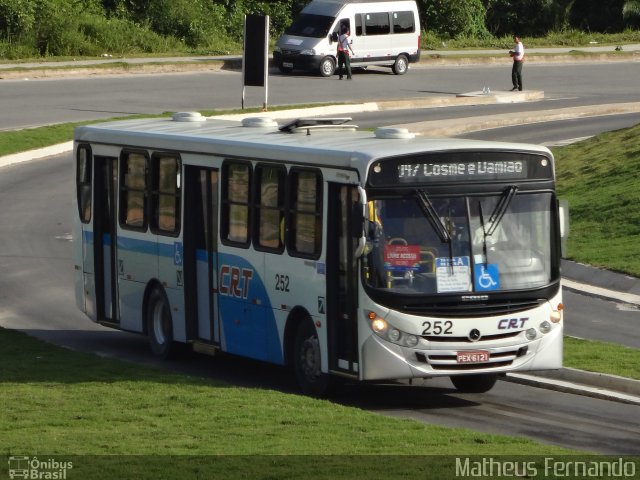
[[236, 187], [133, 193], [269, 207], [83, 183], [305, 209], [166, 194]]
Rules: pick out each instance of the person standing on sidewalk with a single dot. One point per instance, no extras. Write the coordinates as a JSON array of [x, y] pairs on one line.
[[518, 59], [344, 46]]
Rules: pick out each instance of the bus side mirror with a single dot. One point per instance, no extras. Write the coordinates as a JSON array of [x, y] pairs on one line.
[[563, 212], [358, 217]]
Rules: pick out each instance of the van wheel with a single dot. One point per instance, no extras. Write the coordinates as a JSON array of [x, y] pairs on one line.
[[307, 361], [159, 324], [327, 67], [401, 65], [474, 383]]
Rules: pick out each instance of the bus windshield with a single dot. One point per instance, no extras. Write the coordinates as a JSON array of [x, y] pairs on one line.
[[309, 25], [442, 245]]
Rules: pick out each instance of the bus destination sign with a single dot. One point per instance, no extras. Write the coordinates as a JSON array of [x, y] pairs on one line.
[[462, 171]]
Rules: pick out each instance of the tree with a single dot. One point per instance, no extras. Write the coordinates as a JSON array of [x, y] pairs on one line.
[[454, 18], [16, 17], [631, 12]]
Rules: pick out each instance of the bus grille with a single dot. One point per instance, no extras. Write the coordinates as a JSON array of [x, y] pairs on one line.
[[462, 310], [486, 338]]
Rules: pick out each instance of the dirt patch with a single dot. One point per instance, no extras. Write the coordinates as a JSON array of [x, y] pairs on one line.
[[124, 69]]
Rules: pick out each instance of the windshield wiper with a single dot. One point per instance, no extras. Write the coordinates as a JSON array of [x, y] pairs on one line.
[[427, 208], [500, 210]]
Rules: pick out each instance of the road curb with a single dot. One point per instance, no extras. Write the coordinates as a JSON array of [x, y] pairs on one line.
[[580, 382], [36, 154]]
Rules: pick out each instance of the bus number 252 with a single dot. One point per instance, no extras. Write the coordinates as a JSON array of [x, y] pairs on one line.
[[437, 328], [282, 282]]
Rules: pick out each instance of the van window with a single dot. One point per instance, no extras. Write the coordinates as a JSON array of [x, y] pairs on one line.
[[376, 23], [358, 25], [403, 22], [309, 25]]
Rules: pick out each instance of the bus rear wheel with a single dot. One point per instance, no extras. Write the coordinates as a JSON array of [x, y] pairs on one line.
[[159, 324], [474, 383], [307, 361]]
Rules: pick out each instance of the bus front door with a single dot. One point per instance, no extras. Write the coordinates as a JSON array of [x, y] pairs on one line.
[[200, 254], [104, 238], [342, 280]]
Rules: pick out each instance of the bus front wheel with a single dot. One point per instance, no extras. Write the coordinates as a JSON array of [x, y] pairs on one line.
[[474, 383], [307, 361], [159, 324]]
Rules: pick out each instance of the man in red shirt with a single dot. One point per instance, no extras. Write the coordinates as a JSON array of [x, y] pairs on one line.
[[344, 46]]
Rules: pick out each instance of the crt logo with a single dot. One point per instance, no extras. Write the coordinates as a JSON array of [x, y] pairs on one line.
[[512, 323], [234, 281]]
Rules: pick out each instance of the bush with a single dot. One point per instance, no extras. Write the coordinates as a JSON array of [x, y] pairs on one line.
[[455, 18], [16, 18], [121, 36]]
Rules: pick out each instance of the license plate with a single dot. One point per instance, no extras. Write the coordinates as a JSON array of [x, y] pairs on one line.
[[477, 356], [287, 64]]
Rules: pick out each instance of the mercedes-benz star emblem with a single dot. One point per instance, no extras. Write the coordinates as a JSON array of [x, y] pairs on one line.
[[474, 335]]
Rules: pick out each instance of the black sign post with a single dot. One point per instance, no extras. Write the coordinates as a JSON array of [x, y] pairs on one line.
[[255, 63]]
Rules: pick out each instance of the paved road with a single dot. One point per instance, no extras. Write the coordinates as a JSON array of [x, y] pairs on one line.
[[87, 98]]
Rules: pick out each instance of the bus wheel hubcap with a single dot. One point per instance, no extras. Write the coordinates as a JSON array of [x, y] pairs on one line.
[[310, 358]]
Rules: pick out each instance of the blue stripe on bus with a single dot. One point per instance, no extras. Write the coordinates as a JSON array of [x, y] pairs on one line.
[[87, 236], [139, 246], [249, 324]]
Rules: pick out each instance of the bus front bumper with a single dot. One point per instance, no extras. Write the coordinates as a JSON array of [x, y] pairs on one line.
[[382, 360]]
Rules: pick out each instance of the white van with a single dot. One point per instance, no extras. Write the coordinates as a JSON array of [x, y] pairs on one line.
[[385, 33]]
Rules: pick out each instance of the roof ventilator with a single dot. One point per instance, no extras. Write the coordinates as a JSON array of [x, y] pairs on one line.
[[188, 117], [393, 133], [259, 122], [308, 124]]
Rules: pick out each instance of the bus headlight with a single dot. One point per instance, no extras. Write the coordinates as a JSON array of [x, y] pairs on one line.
[[394, 335], [531, 334], [308, 52], [545, 327], [391, 334], [411, 340]]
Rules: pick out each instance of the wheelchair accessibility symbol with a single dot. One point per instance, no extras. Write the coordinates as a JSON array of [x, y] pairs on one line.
[[487, 277], [177, 254]]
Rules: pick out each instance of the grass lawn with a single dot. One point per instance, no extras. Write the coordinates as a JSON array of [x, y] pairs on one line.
[[57, 402], [602, 357], [599, 178]]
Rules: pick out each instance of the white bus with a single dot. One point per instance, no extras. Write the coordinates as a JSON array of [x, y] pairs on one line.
[[344, 253]]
